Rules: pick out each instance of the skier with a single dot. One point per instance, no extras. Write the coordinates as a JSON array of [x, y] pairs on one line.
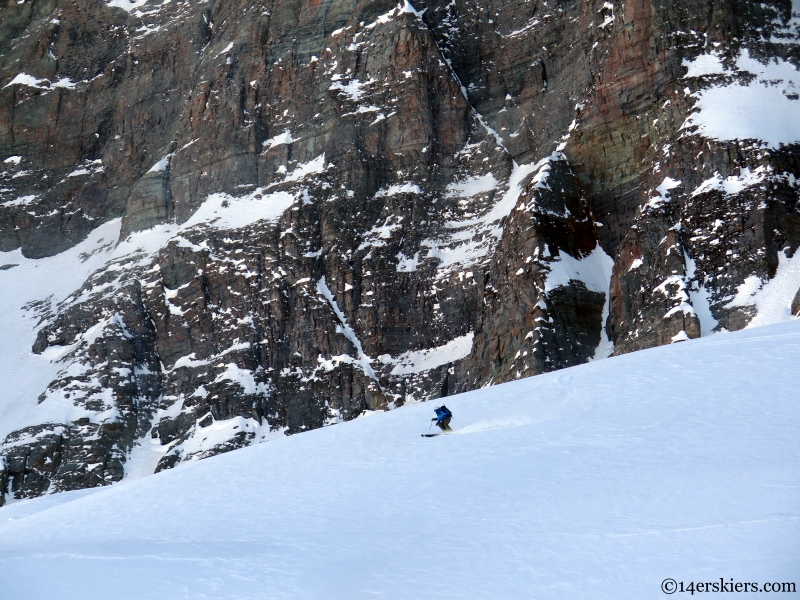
[[442, 418]]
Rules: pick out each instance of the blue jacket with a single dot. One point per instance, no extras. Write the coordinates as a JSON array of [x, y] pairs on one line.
[[442, 413]]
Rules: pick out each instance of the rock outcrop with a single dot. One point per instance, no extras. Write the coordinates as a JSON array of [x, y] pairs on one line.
[[280, 215]]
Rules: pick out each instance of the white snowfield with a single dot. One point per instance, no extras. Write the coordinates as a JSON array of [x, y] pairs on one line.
[[594, 482], [765, 109]]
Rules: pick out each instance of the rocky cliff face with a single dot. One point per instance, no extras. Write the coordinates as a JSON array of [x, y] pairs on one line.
[[225, 221]]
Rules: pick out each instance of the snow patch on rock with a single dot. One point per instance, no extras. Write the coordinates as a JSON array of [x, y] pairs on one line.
[[279, 140], [42, 84], [765, 109], [594, 270], [416, 361], [733, 184], [773, 298], [471, 240]]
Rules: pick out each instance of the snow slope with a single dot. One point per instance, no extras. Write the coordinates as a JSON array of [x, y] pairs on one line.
[[598, 481], [24, 282], [31, 290]]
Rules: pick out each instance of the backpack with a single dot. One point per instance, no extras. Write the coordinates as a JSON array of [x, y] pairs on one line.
[[443, 413]]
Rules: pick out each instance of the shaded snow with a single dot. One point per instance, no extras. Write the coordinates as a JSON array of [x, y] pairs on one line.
[[595, 482], [472, 186], [147, 451], [700, 298]]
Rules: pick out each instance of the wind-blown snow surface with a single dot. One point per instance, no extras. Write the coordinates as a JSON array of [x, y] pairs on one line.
[[598, 481]]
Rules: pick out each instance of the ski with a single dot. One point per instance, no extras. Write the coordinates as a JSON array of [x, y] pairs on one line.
[[430, 434]]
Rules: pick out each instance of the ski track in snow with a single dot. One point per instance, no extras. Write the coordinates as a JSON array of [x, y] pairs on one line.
[[593, 482]]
